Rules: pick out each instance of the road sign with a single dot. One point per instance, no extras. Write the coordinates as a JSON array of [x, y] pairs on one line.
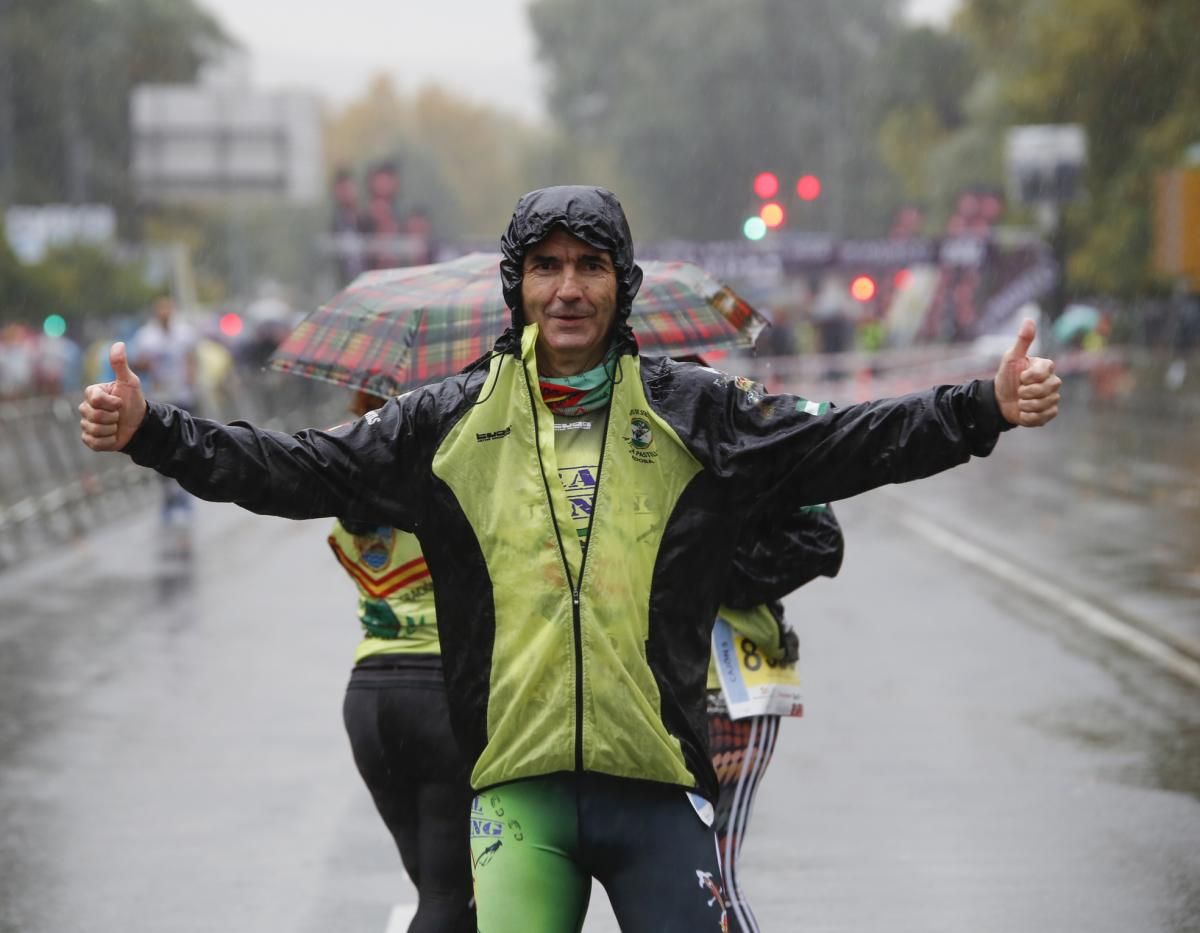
[[1045, 162], [1177, 225], [32, 230]]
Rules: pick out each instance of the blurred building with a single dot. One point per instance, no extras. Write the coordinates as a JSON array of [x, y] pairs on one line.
[[221, 138]]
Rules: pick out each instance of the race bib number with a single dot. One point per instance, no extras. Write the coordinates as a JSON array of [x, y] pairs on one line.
[[753, 684]]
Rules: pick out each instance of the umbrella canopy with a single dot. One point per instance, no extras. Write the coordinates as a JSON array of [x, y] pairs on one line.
[[394, 329], [1075, 321]]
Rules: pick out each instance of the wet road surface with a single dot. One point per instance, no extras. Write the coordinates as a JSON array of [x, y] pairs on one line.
[[172, 756]]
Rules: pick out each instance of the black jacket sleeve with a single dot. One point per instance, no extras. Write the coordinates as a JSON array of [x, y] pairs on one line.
[[371, 470], [768, 446]]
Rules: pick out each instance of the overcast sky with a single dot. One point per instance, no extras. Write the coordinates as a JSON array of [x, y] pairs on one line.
[[482, 49]]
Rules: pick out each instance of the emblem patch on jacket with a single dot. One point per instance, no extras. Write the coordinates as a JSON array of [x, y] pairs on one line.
[[641, 436], [375, 548]]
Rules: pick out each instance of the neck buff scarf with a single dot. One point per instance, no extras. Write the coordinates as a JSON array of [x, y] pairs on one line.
[[581, 394]]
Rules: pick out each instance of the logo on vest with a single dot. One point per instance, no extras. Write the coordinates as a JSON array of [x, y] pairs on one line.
[[641, 437], [493, 435], [375, 547]]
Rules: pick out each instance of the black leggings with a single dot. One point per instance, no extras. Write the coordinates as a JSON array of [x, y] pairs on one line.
[[396, 717]]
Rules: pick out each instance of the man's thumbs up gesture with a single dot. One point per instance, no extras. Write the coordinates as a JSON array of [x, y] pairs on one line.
[[1026, 387], [112, 411]]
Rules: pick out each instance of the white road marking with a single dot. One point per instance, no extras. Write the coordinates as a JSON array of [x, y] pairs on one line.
[[1087, 614], [400, 918]]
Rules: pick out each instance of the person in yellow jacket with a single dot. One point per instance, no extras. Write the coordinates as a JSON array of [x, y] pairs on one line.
[[578, 576]]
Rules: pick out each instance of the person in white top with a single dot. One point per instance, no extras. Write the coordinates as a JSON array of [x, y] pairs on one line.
[[165, 349]]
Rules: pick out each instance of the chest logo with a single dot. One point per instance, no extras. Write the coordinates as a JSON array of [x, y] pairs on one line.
[[641, 437]]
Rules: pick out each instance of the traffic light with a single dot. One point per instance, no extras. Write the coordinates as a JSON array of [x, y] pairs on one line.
[[231, 324], [772, 214], [808, 188], [863, 288], [766, 185], [755, 228]]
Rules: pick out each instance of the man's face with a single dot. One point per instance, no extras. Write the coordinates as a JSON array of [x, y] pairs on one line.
[[569, 290], [164, 308]]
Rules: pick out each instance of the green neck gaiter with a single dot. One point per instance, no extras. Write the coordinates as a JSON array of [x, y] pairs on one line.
[[582, 394]]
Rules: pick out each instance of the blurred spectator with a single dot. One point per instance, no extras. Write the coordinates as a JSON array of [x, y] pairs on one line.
[[833, 319], [269, 319], [217, 383], [780, 338], [163, 352], [350, 256], [909, 222], [58, 365], [16, 361], [418, 226], [380, 220], [832, 315]]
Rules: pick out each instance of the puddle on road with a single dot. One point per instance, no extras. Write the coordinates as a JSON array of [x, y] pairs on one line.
[[1148, 735]]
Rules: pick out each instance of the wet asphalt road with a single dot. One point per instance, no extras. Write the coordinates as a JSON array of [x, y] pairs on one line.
[[971, 759]]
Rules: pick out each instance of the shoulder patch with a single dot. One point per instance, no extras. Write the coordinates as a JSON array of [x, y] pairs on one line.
[[811, 408]]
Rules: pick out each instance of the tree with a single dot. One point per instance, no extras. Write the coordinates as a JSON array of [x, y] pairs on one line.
[[1128, 73], [75, 281], [695, 97], [66, 70], [919, 87]]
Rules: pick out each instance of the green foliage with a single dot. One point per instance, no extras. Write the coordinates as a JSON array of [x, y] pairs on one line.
[[66, 69], [234, 246], [692, 98], [1126, 71], [1129, 73], [75, 281], [23, 291]]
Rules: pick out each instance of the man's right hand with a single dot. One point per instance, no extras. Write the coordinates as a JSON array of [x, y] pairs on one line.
[[112, 411]]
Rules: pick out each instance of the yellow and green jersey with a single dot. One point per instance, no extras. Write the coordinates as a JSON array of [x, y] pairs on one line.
[[395, 592]]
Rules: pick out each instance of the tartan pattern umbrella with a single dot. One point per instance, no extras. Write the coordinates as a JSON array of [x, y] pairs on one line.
[[394, 329]]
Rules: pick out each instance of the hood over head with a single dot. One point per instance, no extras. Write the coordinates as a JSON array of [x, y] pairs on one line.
[[594, 215]]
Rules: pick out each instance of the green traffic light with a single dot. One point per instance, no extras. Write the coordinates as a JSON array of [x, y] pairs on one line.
[[755, 228], [55, 325]]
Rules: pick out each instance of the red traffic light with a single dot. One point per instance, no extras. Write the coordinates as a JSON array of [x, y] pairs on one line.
[[862, 288], [766, 185], [231, 324], [808, 187]]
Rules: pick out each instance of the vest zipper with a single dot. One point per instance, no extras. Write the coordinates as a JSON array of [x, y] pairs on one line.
[[575, 585]]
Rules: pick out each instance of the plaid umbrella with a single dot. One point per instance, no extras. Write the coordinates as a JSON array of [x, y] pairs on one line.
[[394, 329]]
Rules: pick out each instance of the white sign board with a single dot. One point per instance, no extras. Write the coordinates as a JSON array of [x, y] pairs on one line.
[[1044, 162], [33, 230], [199, 142]]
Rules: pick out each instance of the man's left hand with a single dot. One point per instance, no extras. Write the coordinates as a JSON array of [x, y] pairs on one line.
[[1026, 387]]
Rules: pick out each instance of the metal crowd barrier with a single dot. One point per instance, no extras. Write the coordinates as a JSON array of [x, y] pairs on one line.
[[54, 490]]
